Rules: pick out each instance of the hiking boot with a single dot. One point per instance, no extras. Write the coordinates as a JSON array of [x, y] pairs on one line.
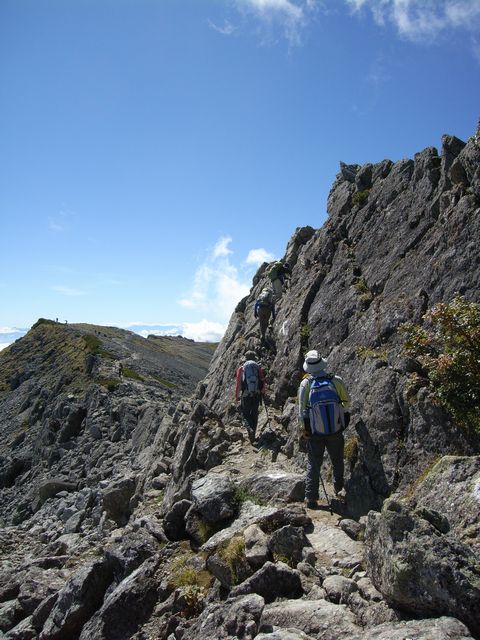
[[311, 504]]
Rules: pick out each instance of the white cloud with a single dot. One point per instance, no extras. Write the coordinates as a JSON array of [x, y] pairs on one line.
[[67, 291], [291, 16], [202, 331], [221, 248], [422, 20], [258, 256], [217, 284], [226, 29], [4, 345], [8, 329]]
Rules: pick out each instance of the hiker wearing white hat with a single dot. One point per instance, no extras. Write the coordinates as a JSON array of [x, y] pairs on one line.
[[322, 399]]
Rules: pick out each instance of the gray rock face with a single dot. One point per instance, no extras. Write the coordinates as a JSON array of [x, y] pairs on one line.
[[116, 500], [419, 569]]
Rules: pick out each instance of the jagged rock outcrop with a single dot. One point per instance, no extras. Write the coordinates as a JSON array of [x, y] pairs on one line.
[[133, 510]]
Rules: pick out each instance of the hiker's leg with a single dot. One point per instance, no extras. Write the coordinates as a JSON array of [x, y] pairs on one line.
[[335, 445], [248, 410], [255, 409], [263, 316], [277, 288], [315, 449]]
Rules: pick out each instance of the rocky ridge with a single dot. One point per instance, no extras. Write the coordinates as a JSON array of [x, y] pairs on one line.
[[186, 530]]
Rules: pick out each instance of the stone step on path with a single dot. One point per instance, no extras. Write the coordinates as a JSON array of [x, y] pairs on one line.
[[332, 546]]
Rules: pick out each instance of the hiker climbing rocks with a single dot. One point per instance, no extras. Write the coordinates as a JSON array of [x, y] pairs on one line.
[[264, 308], [278, 272], [322, 399], [249, 387]]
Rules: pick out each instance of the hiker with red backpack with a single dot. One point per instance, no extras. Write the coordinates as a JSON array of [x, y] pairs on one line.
[[322, 400], [249, 387]]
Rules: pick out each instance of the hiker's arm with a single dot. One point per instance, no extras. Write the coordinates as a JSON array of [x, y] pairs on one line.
[[237, 382], [303, 419], [342, 392], [263, 382], [273, 311]]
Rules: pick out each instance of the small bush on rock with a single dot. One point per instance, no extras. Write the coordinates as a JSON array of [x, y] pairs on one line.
[[447, 347]]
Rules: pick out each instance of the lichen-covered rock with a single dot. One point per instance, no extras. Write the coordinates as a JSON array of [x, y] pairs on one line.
[[419, 569], [443, 628], [452, 488]]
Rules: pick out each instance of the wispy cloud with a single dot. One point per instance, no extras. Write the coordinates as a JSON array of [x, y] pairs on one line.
[[226, 29], [217, 285], [422, 20], [257, 256], [60, 222], [289, 16], [67, 291]]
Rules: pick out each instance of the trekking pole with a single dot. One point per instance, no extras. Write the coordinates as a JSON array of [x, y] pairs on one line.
[[326, 495]]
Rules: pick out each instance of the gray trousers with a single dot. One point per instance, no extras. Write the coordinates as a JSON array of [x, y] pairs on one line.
[[264, 314], [316, 446]]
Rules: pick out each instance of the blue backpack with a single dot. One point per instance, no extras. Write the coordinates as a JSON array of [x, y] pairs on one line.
[[325, 409], [250, 378]]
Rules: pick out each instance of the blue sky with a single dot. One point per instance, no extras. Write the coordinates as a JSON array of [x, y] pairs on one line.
[[154, 152]]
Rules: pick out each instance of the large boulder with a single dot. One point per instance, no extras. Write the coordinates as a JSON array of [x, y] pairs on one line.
[[316, 618], [443, 628], [452, 488], [275, 485], [419, 569], [236, 618], [214, 498], [77, 601], [272, 581]]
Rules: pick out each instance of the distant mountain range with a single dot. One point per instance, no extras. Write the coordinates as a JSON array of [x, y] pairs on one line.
[[211, 332]]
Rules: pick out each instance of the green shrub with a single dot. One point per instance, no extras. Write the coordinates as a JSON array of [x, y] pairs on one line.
[[304, 335], [130, 373], [166, 383], [369, 352], [360, 197], [92, 343], [111, 383], [447, 348]]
